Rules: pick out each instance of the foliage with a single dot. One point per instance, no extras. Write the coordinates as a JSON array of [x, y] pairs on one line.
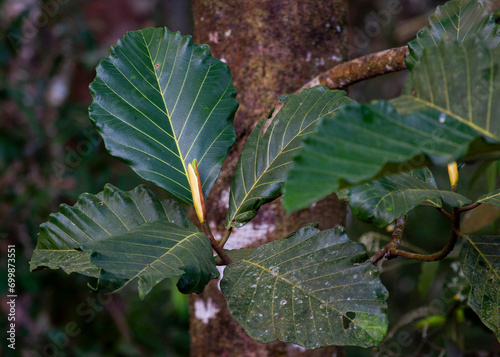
[[162, 104]]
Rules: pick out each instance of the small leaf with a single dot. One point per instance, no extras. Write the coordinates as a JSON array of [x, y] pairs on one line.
[[480, 258], [152, 252], [94, 217], [160, 102], [384, 200], [312, 288], [492, 198], [431, 321], [266, 157]]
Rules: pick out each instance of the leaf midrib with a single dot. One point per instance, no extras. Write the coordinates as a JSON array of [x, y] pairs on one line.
[[163, 97]]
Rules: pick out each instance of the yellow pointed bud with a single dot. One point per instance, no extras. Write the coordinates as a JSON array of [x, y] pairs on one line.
[[453, 173], [195, 185]]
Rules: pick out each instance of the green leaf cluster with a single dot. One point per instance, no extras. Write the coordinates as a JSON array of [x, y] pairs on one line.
[[160, 102]]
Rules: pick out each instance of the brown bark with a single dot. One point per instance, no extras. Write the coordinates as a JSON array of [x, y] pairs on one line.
[[272, 48], [362, 68]]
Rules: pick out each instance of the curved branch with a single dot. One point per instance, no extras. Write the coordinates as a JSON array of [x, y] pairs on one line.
[[436, 256], [469, 207], [392, 250], [359, 69]]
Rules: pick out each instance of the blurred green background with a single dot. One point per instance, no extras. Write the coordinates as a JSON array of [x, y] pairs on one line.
[[50, 154]]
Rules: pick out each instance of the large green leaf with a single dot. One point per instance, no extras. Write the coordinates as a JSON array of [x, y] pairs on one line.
[[448, 113], [368, 141], [459, 80], [480, 258], [382, 201], [160, 102], [457, 20], [266, 157], [312, 288], [151, 253], [112, 215]]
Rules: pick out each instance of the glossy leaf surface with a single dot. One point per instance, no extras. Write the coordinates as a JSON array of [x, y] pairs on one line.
[[313, 288], [159, 102], [95, 217], [268, 152]]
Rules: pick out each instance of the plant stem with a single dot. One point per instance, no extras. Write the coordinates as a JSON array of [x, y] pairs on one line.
[[359, 69], [224, 239], [469, 207], [397, 235], [215, 246]]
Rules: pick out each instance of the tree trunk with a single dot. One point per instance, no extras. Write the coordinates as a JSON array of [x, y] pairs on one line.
[[272, 48]]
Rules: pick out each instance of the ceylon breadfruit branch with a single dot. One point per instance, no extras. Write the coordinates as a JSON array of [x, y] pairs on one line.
[[359, 69]]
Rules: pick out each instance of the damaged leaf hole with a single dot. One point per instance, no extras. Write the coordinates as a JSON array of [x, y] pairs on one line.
[[347, 319]]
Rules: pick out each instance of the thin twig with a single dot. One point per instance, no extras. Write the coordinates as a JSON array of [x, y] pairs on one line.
[[391, 250], [359, 69], [469, 207], [446, 214], [397, 235], [215, 246]]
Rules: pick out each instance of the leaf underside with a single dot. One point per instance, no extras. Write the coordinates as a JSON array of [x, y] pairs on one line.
[[313, 288], [480, 259], [159, 102]]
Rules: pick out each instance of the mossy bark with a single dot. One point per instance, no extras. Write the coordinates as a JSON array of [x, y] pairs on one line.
[[272, 48]]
